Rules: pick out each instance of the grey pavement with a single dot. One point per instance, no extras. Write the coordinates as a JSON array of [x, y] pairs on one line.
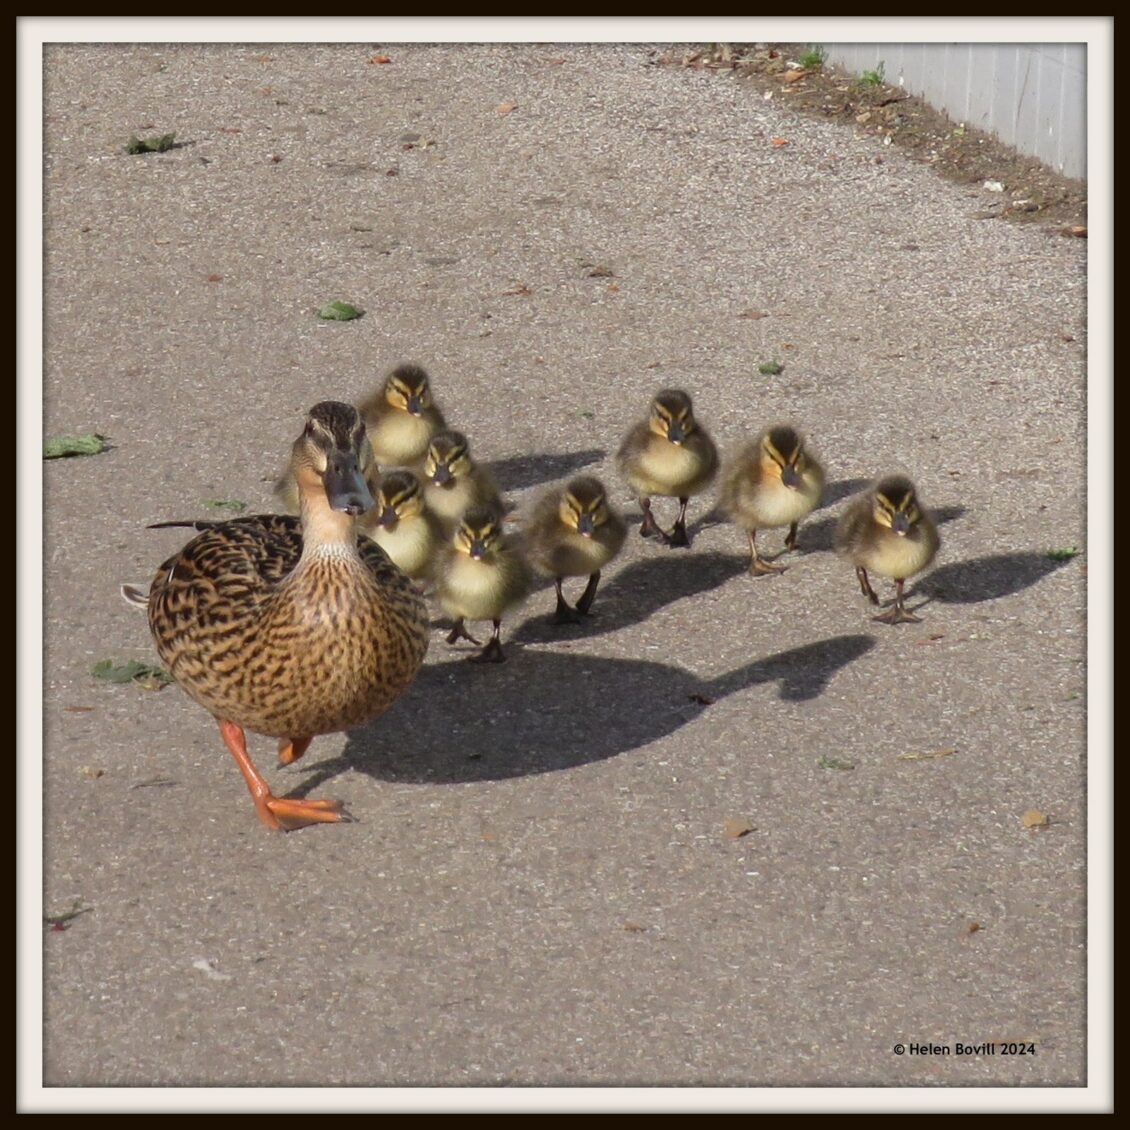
[[540, 887]]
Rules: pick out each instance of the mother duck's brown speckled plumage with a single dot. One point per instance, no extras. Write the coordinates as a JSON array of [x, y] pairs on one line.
[[292, 627]]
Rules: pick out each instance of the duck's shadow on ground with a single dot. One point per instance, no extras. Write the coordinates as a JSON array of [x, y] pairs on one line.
[[987, 578], [636, 592], [543, 711], [522, 471]]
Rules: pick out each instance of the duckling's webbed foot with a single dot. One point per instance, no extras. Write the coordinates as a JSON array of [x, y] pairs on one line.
[[459, 632], [493, 652], [564, 613], [587, 597], [865, 584], [898, 613], [650, 527], [677, 538], [757, 563]]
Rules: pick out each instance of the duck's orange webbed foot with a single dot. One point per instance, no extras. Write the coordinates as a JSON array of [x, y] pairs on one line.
[[279, 813]]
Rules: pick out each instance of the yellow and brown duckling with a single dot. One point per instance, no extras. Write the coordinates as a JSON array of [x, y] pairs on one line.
[[669, 453], [402, 417], [773, 481], [481, 575], [292, 627], [403, 526], [454, 483], [887, 532], [574, 532]]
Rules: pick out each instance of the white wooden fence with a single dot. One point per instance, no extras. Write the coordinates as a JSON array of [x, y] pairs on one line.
[[1032, 96]]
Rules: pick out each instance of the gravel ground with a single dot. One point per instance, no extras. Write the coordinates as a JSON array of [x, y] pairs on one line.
[[544, 884]]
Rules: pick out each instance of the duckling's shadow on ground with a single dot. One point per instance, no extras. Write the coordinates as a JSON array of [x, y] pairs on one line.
[[820, 537], [632, 595], [986, 578], [522, 471], [543, 711]]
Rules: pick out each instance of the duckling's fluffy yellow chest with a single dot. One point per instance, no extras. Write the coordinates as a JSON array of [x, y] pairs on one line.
[[411, 544], [573, 555], [485, 589], [897, 557], [450, 501], [666, 468], [400, 439], [767, 503]]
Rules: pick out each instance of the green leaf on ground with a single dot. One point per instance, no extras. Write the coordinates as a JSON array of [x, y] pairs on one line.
[[1064, 554], [339, 312], [132, 671], [150, 144], [835, 763], [770, 368], [232, 504], [58, 447]]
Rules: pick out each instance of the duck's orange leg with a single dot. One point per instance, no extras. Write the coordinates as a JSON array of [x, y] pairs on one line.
[[291, 749], [276, 812]]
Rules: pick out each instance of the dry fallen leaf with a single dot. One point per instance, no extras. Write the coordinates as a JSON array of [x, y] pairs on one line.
[[634, 928], [379, 59], [973, 927], [778, 141], [78, 709], [793, 76], [1034, 818], [214, 278], [734, 828], [505, 107], [1079, 230], [92, 772], [521, 288], [753, 314]]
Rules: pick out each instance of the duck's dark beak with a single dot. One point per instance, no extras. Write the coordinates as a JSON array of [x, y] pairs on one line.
[[900, 525], [415, 407], [585, 527], [675, 433], [442, 475], [790, 477], [346, 489]]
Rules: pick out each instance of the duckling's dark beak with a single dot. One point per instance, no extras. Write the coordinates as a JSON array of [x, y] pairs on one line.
[[442, 475], [675, 433], [900, 525], [790, 477], [478, 549], [585, 527], [387, 518], [346, 488], [414, 406]]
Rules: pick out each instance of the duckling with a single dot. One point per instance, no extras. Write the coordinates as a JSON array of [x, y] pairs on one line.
[[574, 532], [292, 627], [772, 481], [402, 418], [403, 526], [454, 483], [669, 453], [481, 576], [888, 532]]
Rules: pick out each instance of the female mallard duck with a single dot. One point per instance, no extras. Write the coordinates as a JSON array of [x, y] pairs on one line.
[[481, 576], [770, 482], [574, 533], [888, 532], [292, 627], [669, 453], [402, 418], [403, 526], [454, 483]]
